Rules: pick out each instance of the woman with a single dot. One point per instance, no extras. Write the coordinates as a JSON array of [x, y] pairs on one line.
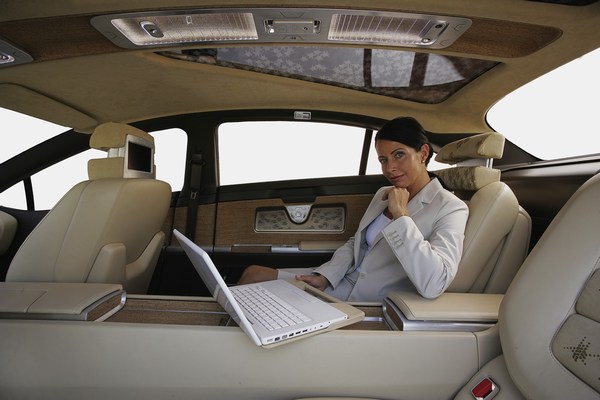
[[410, 237]]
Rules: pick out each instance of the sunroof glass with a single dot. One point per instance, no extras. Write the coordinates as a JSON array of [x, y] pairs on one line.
[[420, 77]]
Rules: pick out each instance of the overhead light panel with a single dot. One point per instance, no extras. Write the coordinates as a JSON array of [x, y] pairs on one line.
[[407, 30], [272, 25], [187, 28], [10, 55]]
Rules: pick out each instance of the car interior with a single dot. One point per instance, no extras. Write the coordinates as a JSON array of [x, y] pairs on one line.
[[99, 300]]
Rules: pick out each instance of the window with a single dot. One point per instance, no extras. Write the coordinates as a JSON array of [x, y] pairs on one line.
[[30, 131], [272, 151], [552, 117], [169, 156], [50, 184], [20, 132]]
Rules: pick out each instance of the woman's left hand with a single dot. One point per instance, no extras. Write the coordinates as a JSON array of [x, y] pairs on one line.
[[318, 281]]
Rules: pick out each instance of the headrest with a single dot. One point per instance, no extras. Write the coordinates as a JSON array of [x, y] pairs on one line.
[[112, 135], [485, 145], [130, 152], [467, 178]]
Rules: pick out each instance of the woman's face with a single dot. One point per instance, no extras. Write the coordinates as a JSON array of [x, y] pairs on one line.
[[401, 164]]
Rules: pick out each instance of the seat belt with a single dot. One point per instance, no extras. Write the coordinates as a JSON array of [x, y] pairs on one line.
[[195, 182]]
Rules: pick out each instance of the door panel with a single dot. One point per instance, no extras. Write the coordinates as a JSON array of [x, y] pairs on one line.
[[254, 224], [543, 189], [288, 228]]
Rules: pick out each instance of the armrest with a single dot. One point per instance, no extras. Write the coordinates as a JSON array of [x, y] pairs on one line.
[[450, 311], [70, 301]]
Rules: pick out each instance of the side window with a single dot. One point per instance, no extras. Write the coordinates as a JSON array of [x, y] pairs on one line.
[[50, 184], [19, 133], [170, 155], [282, 150]]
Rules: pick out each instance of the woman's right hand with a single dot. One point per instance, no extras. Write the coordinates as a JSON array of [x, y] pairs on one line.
[[316, 281]]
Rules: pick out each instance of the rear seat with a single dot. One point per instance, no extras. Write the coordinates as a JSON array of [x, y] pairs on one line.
[[498, 229]]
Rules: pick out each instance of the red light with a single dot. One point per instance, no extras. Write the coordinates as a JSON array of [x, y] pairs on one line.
[[483, 389]]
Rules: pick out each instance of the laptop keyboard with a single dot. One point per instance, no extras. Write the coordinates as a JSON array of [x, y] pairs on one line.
[[268, 309]]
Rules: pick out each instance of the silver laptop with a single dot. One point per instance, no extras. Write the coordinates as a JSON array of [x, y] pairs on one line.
[[290, 312]]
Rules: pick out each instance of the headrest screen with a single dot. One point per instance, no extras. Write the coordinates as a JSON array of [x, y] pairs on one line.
[[139, 157]]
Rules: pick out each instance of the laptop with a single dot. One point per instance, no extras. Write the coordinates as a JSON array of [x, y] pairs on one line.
[[312, 313]]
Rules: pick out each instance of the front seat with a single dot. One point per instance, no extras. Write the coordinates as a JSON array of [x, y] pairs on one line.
[[498, 229], [106, 229], [549, 320]]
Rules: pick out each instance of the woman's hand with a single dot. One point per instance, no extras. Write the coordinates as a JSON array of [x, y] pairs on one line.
[[397, 202], [317, 281]]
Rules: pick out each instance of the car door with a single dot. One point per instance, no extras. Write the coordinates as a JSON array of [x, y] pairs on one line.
[[288, 225], [271, 193]]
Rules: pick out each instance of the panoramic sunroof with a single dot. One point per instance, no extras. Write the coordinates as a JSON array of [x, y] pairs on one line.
[[419, 77]]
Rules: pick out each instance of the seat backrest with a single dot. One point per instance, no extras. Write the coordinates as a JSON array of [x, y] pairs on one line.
[[549, 320], [106, 229], [498, 229]]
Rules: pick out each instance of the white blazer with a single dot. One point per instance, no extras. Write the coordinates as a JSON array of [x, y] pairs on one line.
[[420, 252]]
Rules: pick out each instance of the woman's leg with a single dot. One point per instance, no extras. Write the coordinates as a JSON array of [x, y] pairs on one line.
[[257, 273]]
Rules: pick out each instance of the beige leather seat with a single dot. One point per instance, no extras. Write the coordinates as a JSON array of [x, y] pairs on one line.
[[106, 229], [498, 229], [550, 318]]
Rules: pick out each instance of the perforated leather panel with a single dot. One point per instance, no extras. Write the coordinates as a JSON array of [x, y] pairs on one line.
[[577, 344]]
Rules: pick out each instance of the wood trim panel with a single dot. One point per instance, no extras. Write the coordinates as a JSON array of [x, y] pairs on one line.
[[204, 224], [42, 39], [235, 222]]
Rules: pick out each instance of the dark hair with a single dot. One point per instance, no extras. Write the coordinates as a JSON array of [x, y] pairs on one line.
[[405, 130]]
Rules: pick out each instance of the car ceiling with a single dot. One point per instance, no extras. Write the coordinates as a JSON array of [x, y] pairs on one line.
[[79, 78]]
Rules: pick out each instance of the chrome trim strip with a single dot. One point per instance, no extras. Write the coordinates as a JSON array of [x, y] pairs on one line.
[[430, 325]]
